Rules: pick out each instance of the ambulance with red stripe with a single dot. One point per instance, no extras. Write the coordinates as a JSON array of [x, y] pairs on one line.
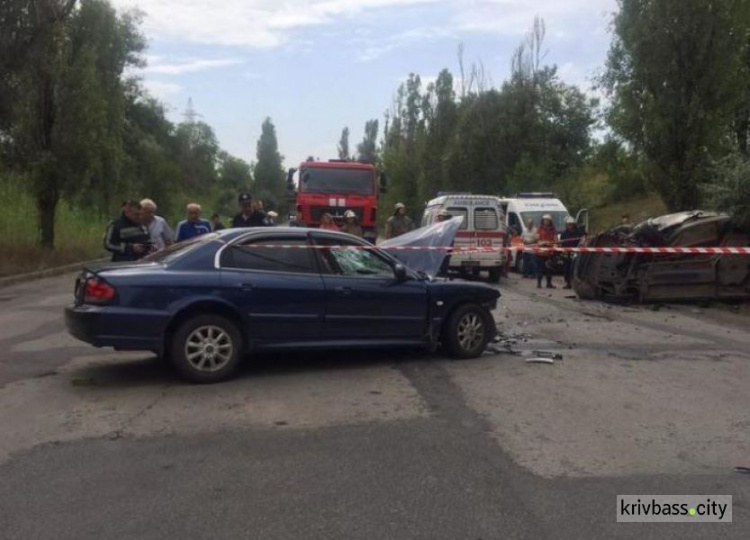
[[483, 226]]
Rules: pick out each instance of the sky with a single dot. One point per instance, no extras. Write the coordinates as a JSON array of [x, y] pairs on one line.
[[315, 66]]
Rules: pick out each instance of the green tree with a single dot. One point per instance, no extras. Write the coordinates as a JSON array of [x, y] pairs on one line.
[[150, 167], [441, 129], [674, 72], [730, 190], [198, 151], [343, 146], [367, 150], [235, 176], [67, 101], [269, 173]]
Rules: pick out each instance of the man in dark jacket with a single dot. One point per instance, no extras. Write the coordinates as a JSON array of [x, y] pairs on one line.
[[245, 217], [572, 237], [126, 238]]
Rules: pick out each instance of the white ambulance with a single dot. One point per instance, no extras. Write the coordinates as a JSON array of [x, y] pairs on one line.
[[483, 226], [520, 209]]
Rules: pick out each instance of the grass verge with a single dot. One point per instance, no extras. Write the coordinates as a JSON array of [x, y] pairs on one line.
[[78, 233], [640, 209]]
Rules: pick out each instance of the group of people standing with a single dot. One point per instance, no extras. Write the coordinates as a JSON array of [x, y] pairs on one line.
[[539, 263], [139, 231], [350, 226]]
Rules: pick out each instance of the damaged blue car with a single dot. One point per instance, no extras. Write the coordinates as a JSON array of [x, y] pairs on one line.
[[207, 303]]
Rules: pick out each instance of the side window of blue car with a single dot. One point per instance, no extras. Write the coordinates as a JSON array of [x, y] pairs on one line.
[[347, 259], [265, 255]]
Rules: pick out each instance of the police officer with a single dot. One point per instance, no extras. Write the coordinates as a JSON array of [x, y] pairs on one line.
[[126, 237], [242, 219]]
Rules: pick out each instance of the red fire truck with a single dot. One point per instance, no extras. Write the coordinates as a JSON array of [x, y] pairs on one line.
[[334, 187]]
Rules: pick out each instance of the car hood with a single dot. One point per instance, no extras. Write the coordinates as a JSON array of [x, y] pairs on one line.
[[427, 261], [479, 292]]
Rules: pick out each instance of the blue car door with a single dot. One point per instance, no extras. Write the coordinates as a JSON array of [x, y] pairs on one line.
[[280, 290], [364, 299]]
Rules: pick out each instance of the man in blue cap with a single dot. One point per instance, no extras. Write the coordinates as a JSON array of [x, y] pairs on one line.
[[243, 219]]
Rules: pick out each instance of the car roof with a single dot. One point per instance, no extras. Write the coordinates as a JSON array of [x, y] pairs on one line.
[[234, 234], [461, 197]]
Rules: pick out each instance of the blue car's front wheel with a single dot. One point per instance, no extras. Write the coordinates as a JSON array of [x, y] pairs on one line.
[[207, 348], [467, 331]]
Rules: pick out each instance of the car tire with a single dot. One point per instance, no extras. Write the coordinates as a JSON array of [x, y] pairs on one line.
[[495, 274], [206, 349], [467, 331]]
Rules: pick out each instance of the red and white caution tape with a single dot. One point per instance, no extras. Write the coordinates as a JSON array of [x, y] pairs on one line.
[[534, 249]]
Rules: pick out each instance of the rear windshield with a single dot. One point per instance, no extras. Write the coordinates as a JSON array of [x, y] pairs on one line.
[[463, 212], [485, 219], [175, 251]]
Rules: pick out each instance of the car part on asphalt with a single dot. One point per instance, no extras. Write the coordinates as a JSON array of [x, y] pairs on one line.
[[631, 277], [548, 355], [540, 360]]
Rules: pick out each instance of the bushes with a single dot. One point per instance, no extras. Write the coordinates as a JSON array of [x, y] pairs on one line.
[[730, 191]]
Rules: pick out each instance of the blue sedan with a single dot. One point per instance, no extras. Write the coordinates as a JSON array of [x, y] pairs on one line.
[[206, 303]]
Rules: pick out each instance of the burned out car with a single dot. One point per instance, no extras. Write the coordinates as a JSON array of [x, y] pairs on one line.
[[638, 277]]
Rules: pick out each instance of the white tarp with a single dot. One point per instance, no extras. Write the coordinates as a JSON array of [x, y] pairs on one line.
[[427, 261]]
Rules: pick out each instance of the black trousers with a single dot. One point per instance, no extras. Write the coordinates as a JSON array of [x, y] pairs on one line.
[[542, 270]]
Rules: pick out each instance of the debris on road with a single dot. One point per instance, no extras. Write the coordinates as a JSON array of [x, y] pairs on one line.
[[540, 360], [544, 357], [547, 354], [639, 277], [505, 343]]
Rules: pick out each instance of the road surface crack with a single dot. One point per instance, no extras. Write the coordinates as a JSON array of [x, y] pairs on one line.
[[121, 432]]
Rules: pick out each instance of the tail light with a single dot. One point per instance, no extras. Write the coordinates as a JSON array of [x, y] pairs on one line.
[[98, 291]]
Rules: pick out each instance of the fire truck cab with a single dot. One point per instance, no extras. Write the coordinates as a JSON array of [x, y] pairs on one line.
[[335, 186]]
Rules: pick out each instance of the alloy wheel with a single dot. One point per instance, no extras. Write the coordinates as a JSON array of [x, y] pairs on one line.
[[470, 331], [208, 348]]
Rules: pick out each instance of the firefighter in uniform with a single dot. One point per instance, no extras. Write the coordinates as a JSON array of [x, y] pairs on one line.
[[351, 226]]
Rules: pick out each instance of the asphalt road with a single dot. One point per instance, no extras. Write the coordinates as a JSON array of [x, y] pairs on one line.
[[97, 444]]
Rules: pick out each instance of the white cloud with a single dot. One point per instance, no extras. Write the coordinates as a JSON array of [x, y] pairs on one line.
[[249, 23], [163, 66], [162, 90], [378, 48], [516, 16]]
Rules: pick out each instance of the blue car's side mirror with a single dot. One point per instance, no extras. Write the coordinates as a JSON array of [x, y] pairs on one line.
[[400, 272]]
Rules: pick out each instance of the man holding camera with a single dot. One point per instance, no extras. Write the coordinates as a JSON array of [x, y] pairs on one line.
[[126, 238]]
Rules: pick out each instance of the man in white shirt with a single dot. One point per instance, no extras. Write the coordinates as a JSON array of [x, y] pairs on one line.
[[158, 229]]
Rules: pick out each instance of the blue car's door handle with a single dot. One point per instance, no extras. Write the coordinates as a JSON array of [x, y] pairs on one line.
[[343, 291], [247, 286]]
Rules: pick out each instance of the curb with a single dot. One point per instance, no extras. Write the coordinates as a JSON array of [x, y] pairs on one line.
[[50, 272]]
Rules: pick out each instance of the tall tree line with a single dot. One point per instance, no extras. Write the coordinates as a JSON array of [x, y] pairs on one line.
[[534, 132], [76, 127], [678, 75]]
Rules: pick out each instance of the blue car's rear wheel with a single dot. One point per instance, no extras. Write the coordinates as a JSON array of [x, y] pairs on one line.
[[467, 331], [207, 349]]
